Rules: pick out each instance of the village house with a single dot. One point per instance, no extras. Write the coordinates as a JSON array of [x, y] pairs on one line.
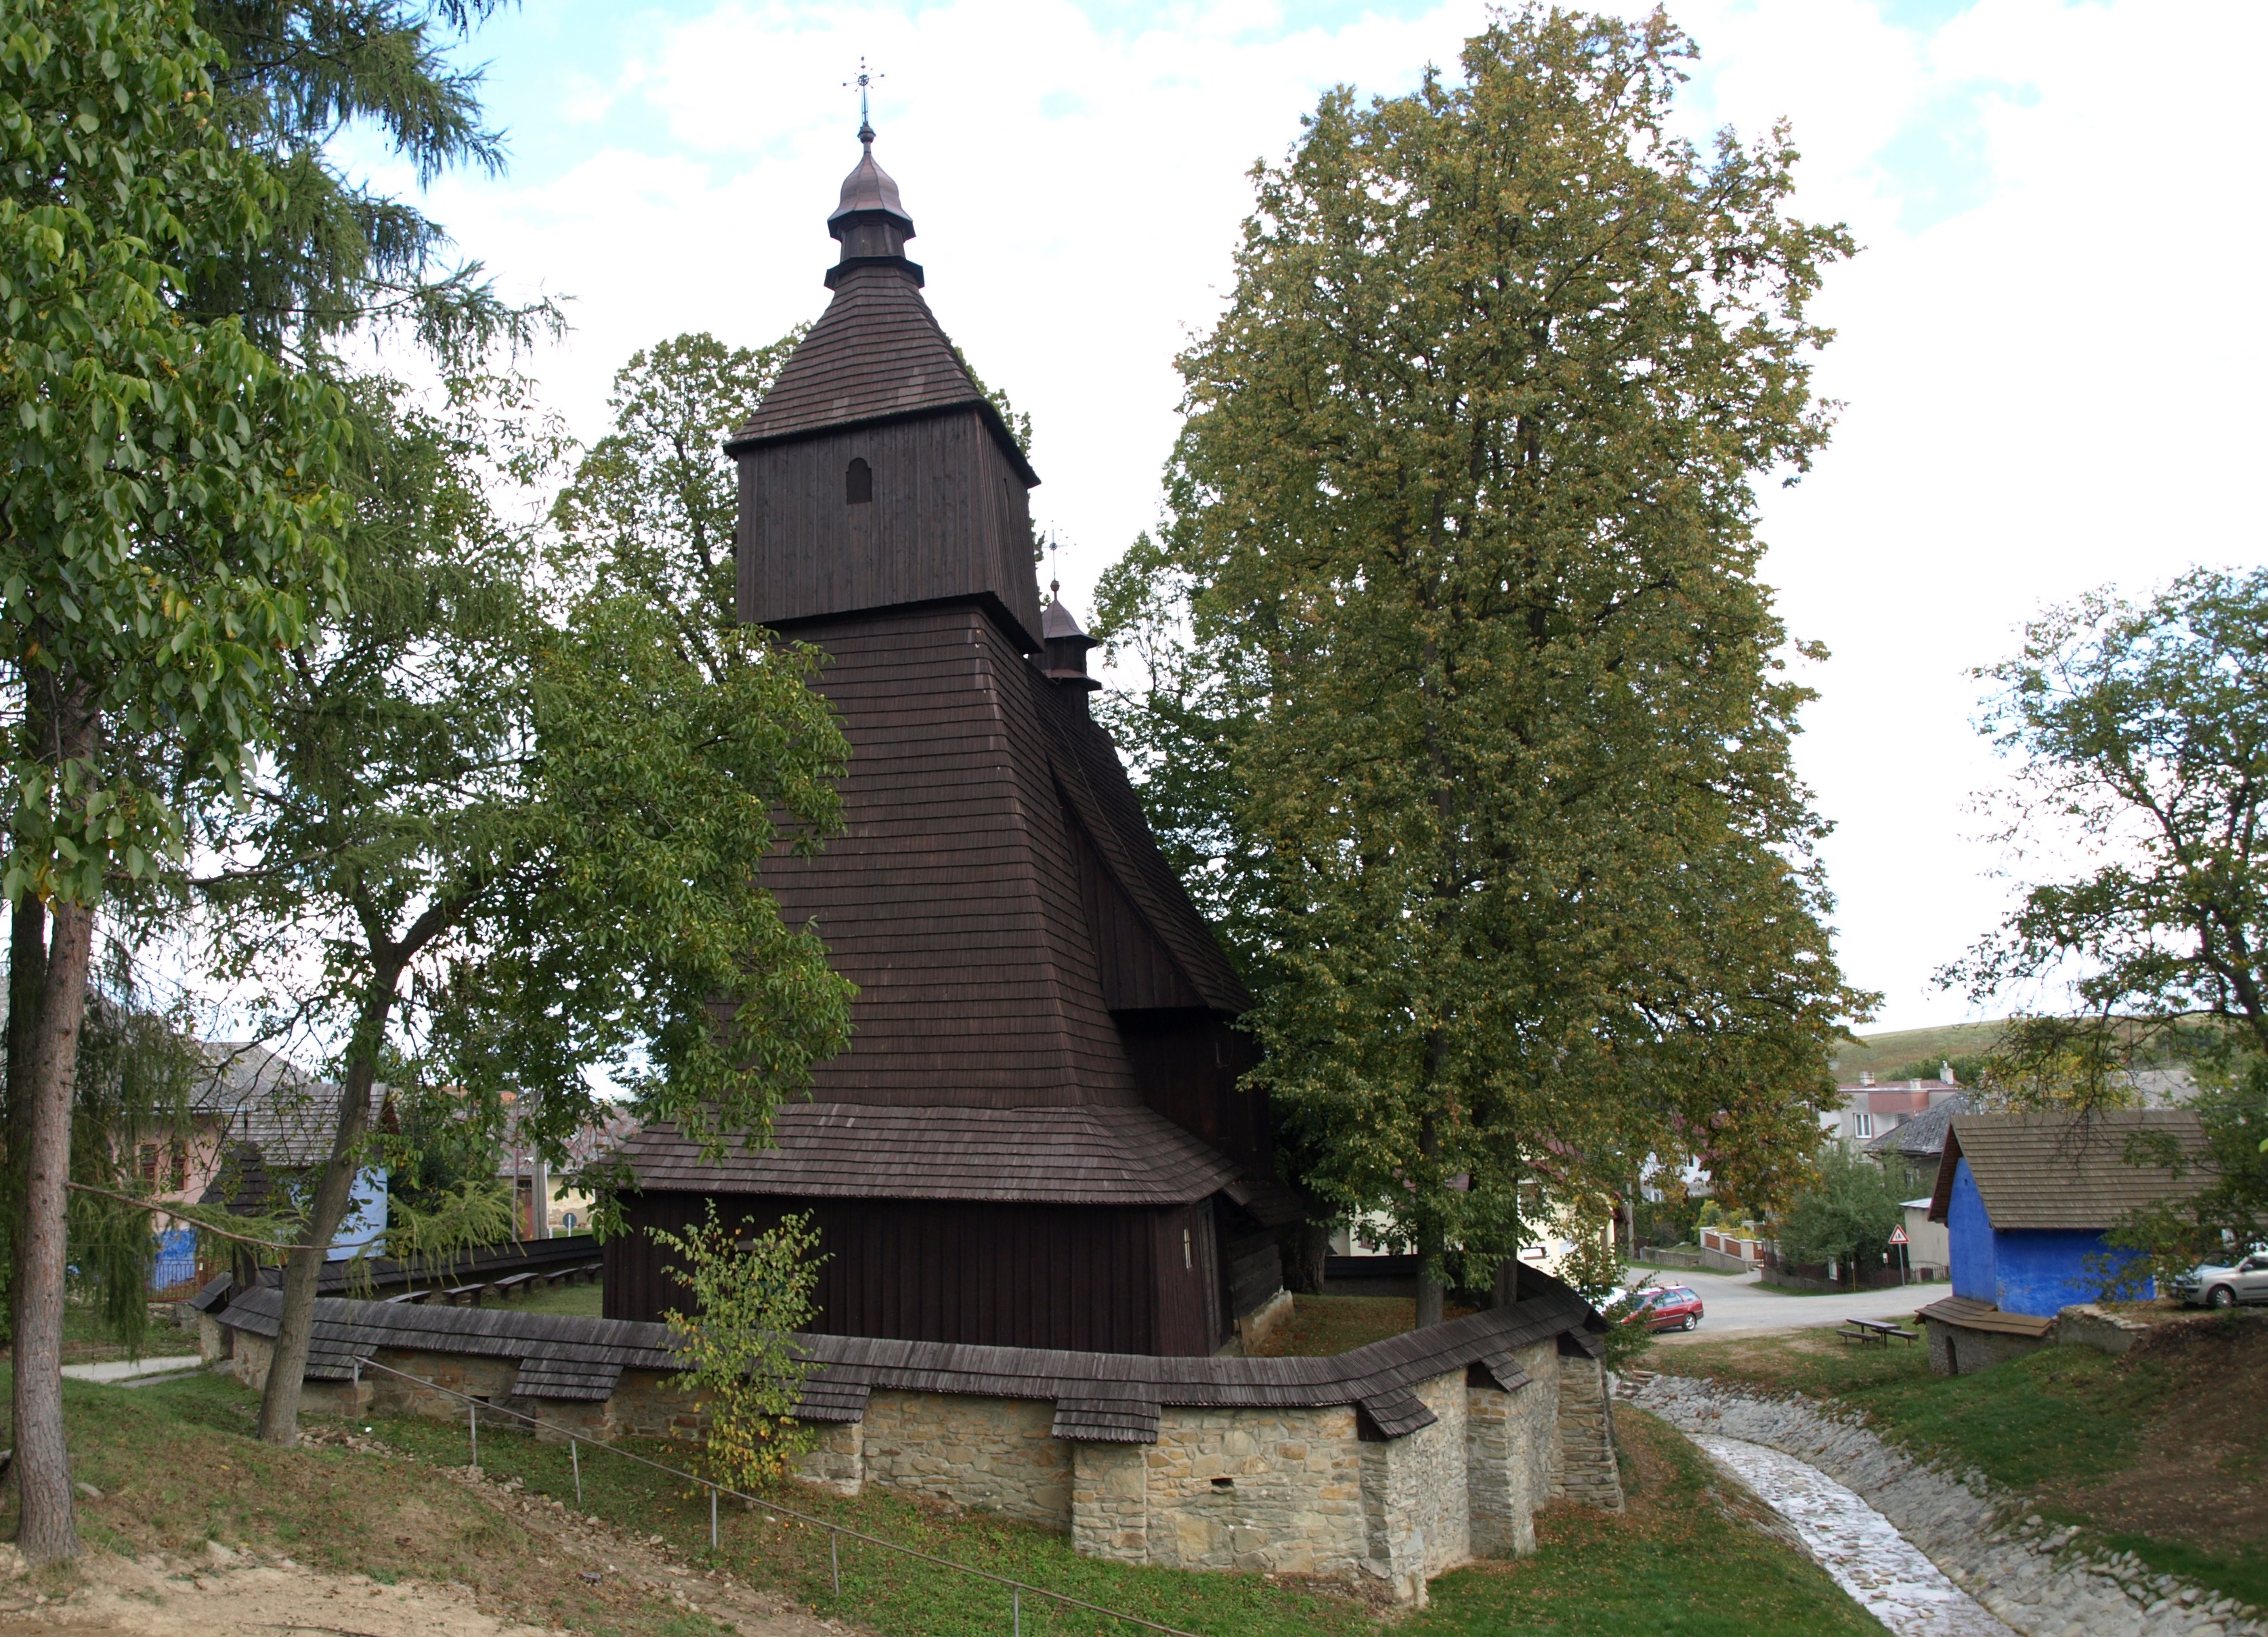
[[2027, 1201]]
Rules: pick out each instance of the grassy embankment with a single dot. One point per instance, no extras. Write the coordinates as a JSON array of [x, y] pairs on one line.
[[2163, 1452], [1886, 1054], [177, 1466]]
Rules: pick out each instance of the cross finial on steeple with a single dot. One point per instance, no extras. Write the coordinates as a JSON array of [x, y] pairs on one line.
[[865, 79], [1054, 568]]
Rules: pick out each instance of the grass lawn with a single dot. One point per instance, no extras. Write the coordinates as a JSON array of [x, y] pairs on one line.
[[2161, 1452], [86, 1341], [1685, 1559], [1322, 1325], [177, 1466], [577, 1301]]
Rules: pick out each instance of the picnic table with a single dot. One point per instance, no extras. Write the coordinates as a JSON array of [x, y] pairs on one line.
[[1878, 1331]]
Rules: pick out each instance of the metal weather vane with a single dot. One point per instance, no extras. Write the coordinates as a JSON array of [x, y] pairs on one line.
[[861, 85]]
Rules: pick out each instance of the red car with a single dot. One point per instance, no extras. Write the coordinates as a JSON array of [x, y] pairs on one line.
[[1672, 1308]]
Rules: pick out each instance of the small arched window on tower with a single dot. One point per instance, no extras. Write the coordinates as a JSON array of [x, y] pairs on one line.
[[857, 483]]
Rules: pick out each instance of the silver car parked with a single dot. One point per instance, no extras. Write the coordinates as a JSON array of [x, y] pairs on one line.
[[2224, 1287]]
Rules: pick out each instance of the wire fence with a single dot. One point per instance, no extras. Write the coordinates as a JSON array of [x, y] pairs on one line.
[[837, 1533]]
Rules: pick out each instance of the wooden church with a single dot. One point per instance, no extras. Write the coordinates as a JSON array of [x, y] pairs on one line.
[[1037, 1138]]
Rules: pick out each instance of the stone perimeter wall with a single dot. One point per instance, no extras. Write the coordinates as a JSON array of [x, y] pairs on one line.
[[1294, 1491]]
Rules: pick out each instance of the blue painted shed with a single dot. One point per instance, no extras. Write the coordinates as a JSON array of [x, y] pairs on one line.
[[2028, 1200]]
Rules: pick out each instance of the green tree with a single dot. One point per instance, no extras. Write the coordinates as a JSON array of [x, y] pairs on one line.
[[751, 1293], [500, 844], [162, 542], [2140, 732], [651, 512], [1457, 617], [1845, 1215], [341, 256]]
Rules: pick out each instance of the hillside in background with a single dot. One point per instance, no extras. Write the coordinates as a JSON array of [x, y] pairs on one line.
[[1884, 1055]]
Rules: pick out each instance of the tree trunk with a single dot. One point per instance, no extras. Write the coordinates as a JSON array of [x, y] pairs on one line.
[[27, 976], [1430, 1239], [1310, 1247], [279, 1403], [45, 1532], [28, 973], [1429, 1281]]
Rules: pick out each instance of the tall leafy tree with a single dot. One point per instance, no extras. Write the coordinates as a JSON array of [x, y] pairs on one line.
[[651, 510], [1457, 604], [2139, 733], [504, 844], [163, 541]]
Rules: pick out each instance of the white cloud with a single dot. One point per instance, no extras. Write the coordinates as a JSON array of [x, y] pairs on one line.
[[2045, 351]]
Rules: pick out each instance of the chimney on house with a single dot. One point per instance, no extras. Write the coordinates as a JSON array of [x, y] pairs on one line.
[[1945, 1071], [1864, 1079]]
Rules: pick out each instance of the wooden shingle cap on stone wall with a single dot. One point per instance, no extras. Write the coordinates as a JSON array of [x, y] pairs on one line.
[[1100, 1396]]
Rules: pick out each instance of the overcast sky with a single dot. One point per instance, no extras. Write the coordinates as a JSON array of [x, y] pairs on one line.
[[2049, 346]]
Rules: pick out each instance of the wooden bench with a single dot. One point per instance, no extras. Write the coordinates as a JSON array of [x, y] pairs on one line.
[[1878, 1331], [462, 1295], [518, 1283], [406, 1296]]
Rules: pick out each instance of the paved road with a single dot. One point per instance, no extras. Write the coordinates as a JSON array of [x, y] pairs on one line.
[[1740, 1304]]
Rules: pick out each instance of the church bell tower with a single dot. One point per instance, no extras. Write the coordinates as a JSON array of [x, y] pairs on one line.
[[1037, 1136]]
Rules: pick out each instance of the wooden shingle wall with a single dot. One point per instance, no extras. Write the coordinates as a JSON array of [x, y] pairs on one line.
[[951, 899], [950, 517]]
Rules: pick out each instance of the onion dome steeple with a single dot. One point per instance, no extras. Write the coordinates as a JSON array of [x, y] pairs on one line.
[[871, 222], [1063, 644]]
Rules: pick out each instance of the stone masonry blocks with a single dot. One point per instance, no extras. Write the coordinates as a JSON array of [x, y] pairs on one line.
[[1509, 1439], [1295, 1490], [1585, 1470], [999, 1454]]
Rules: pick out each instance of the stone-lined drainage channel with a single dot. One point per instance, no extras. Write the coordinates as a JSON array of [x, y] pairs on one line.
[[1858, 1545], [1939, 1545]]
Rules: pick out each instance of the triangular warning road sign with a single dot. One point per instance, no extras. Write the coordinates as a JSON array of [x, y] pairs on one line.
[[1898, 1236]]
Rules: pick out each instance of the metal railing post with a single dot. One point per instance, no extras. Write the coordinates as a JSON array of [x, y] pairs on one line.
[[575, 1460], [1015, 1611], [473, 1421], [712, 1518], [834, 1559]]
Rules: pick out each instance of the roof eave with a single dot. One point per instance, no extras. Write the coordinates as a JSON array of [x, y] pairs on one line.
[[743, 440]]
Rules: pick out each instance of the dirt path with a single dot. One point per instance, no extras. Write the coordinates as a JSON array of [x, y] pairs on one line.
[[250, 1594]]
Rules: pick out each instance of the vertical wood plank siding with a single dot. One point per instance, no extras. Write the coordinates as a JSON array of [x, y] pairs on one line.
[[1017, 939], [949, 518], [1186, 1066], [1084, 1278]]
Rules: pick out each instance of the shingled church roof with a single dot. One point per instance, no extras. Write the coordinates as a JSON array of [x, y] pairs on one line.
[[994, 893], [878, 352]]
